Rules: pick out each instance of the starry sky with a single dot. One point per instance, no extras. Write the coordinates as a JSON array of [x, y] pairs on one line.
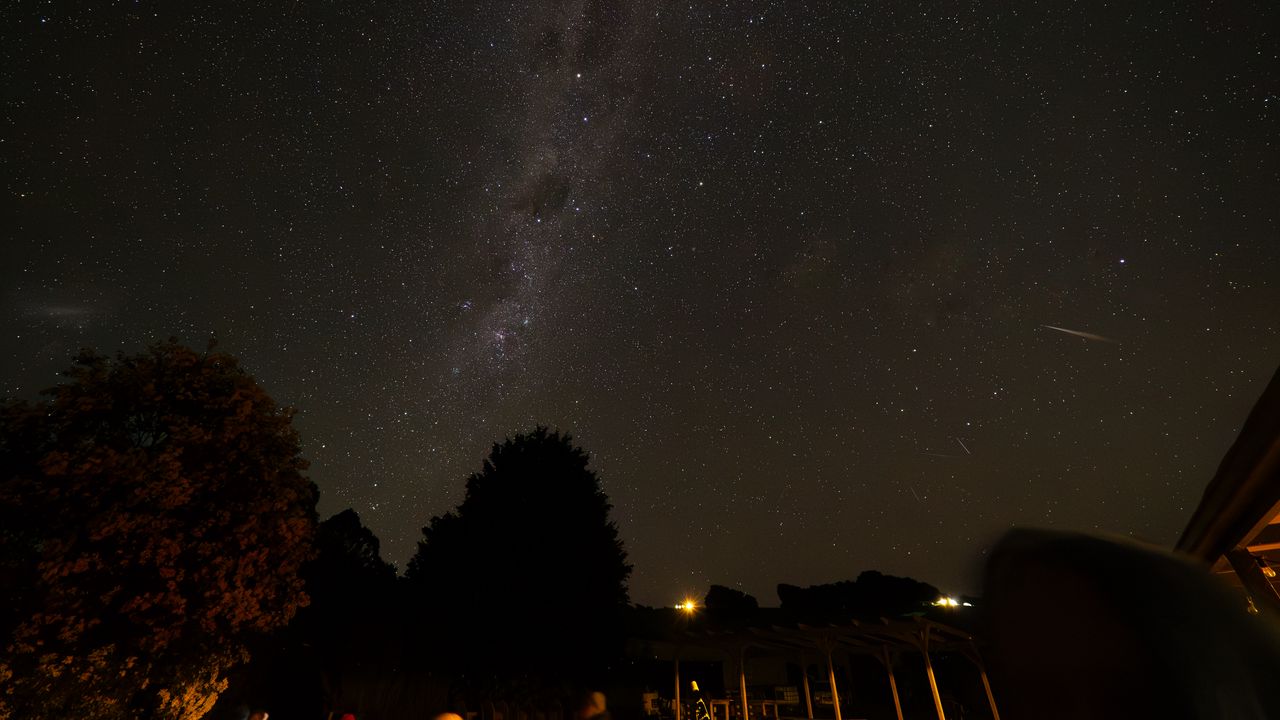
[[822, 287]]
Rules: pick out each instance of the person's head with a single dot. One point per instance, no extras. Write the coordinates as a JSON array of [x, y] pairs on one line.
[[592, 704], [259, 715], [1106, 628]]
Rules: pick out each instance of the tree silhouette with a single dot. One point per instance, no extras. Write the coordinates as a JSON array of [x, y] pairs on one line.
[[528, 574], [873, 594], [720, 597], [348, 561], [351, 625], [353, 596], [156, 515]]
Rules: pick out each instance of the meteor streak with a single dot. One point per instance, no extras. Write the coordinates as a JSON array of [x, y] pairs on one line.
[[1082, 334]]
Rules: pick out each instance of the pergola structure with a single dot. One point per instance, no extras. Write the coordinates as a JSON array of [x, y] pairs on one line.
[[1236, 527], [882, 640]]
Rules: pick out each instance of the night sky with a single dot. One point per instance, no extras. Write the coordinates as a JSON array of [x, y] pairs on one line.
[[791, 272]]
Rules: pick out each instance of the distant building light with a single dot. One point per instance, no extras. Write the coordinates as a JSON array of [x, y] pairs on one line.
[[947, 602]]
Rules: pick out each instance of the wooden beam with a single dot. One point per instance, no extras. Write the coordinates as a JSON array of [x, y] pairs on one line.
[[1268, 539], [972, 653], [742, 682], [808, 697], [831, 675], [928, 668], [675, 706], [893, 682], [986, 685], [1243, 497], [1255, 583]]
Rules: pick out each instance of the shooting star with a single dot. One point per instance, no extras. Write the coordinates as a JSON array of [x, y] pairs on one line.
[[963, 446], [913, 493], [1082, 334]]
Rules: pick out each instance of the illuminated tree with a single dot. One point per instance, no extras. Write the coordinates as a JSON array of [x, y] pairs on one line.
[[528, 570], [156, 515]]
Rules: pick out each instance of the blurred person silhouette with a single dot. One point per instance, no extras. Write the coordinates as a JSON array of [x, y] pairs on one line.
[[701, 707], [593, 707], [1082, 626]]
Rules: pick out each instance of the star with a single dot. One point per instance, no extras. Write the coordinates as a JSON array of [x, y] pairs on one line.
[[393, 236]]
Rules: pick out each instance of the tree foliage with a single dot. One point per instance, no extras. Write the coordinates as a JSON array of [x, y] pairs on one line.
[[348, 559], [156, 514], [720, 597], [352, 628], [530, 563], [354, 601], [872, 594]]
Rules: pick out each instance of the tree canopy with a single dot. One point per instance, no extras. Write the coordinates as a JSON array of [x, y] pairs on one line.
[[348, 557], [872, 594], [720, 597], [155, 514], [530, 563]]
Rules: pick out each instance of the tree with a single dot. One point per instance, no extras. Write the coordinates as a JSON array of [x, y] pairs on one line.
[[348, 560], [353, 596], [528, 571], [350, 626], [160, 516], [873, 594], [720, 597]]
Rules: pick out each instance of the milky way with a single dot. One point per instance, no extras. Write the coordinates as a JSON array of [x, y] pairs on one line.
[[819, 286]]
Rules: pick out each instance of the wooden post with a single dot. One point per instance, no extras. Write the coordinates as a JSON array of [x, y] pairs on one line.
[[831, 675], [893, 682], [742, 681], [928, 668], [986, 685], [675, 706], [808, 698]]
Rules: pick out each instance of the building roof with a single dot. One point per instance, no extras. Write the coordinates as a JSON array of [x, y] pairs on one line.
[[1241, 505]]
